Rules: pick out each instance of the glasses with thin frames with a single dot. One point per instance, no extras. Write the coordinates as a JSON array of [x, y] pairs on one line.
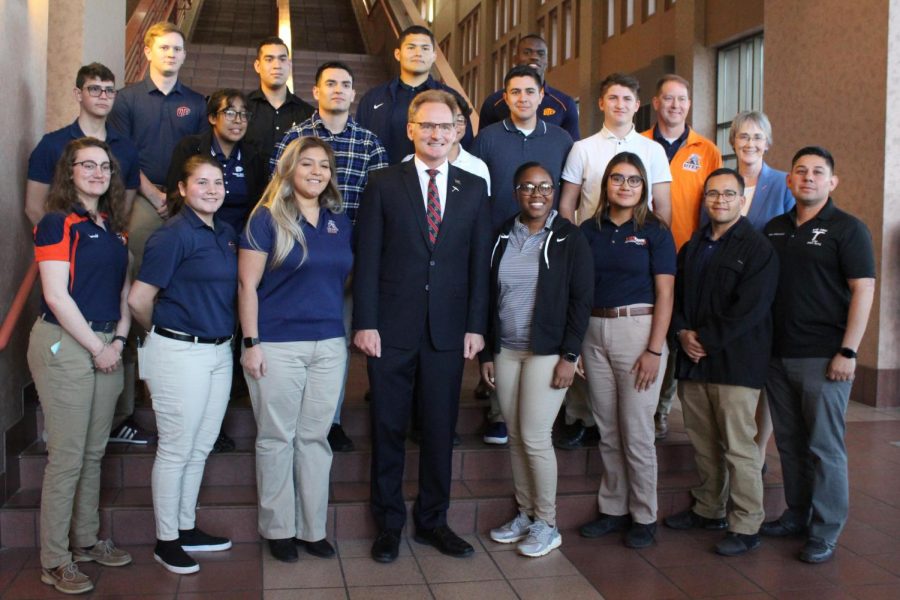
[[95, 91], [90, 166], [544, 189], [428, 127], [634, 181], [232, 115], [756, 137], [728, 196]]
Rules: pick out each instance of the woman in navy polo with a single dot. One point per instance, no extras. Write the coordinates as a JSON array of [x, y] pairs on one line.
[[294, 261], [625, 347], [75, 351], [541, 291], [184, 295]]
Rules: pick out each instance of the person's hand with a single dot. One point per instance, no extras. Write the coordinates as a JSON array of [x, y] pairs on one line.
[[579, 368], [646, 370], [841, 368], [107, 360], [254, 361], [473, 343], [563, 374], [487, 374], [369, 341], [691, 345]]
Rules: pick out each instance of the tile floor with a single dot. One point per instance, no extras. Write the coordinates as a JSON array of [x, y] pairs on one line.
[[680, 565]]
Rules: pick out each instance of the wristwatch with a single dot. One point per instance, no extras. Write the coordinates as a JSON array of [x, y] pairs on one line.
[[847, 352], [570, 357], [249, 342]]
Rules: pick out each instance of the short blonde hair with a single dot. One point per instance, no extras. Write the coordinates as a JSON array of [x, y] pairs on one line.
[[750, 116], [436, 97], [158, 29]]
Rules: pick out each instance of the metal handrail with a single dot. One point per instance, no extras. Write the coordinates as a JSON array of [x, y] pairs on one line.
[[18, 305]]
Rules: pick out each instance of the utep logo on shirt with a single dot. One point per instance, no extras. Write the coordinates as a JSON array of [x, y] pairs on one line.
[[633, 239], [183, 111], [232, 246], [692, 163], [239, 171], [549, 112]]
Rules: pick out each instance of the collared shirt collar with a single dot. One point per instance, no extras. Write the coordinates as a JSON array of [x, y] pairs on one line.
[[605, 218], [825, 213], [76, 132], [657, 136], [318, 123], [193, 220], [548, 225], [258, 94], [395, 84], [540, 128], [706, 232], [217, 151], [610, 135], [443, 169], [151, 87]]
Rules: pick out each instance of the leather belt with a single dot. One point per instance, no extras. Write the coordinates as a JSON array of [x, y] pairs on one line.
[[621, 311], [98, 326], [183, 337]]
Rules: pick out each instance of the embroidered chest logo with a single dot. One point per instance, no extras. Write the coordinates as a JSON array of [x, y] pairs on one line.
[[183, 111], [692, 163], [232, 246], [633, 239], [548, 112], [331, 227], [815, 238]]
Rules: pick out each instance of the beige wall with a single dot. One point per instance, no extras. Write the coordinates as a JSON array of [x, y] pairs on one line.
[[727, 20]]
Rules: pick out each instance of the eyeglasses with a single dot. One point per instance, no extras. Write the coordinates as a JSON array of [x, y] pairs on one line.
[[728, 196], [746, 137], [430, 127], [90, 166], [544, 189], [95, 91], [634, 181], [232, 115]]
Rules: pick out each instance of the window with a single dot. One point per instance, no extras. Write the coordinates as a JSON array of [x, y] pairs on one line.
[[570, 37], [649, 9], [553, 42], [610, 18], [444, 45], [506, 16], [628, 14], [739, 87], [469, 54], [426, 9]]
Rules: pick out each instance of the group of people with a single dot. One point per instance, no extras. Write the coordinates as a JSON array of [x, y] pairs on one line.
[[576, 271]]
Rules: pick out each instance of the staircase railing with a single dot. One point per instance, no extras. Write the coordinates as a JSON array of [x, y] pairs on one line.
[[146, 14], [17, 306]]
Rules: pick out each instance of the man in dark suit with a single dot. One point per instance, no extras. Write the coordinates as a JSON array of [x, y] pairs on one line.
[[420, 297]]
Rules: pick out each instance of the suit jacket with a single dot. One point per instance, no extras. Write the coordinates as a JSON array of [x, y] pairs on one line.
[[771, 198], [401, 285]]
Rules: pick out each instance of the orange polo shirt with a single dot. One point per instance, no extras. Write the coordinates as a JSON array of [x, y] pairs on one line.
[[691, 165]]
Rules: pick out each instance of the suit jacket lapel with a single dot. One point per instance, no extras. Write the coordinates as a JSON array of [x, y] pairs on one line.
[[414, 194]]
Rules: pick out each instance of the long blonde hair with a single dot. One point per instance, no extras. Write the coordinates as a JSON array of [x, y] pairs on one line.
[[279, 199]]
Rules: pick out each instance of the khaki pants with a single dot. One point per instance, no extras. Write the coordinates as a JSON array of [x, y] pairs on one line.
[[624, 415], [530, 406], [294, 404], [78, 404], [720, 421]]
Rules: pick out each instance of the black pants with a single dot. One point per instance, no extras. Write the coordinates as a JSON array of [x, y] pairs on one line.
[[431, 379]]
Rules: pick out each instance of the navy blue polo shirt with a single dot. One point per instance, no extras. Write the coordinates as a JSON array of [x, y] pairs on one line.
[[626, 260], [98, 261], [237, 205], [43, 159], [155, 122], [195, 268], [302, 302]]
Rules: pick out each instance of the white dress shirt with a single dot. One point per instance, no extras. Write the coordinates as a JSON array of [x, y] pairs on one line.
[[440, 180]]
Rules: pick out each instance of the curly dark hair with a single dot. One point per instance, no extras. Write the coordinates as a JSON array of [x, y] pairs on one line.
[[63, 196]]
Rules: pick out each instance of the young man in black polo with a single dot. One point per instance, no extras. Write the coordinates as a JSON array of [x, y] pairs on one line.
[[825, 292]]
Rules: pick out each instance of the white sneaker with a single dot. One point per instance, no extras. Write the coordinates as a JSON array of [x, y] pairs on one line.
[[541, 539], [514, 531]]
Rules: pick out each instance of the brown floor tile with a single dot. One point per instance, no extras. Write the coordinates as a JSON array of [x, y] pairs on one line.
[[18, 528], [515, 566], [611, 561], [876, 592], [146, 578], [773, 576], [309, 572], [826, 593], [649, 586], [446, 569], [566, 587], [223, 576], [361, 548], [863, 539], [679, 553], [495, 590], [393, 592], [367, 572], [890, 561], [709, 581], [314, 594], [846, 569], [220, 595]]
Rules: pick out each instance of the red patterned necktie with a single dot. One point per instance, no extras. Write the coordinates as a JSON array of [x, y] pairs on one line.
[[433, 214]]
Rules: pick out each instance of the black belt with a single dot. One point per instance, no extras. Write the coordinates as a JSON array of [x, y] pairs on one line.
[[98, 326], [621, 311], [183, 337]]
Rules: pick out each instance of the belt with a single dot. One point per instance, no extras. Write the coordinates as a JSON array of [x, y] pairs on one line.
[[98, 326], [183, 337], [621, 311]]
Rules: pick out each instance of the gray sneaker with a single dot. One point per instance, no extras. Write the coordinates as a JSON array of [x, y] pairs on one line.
[[541, 539], [514, 531]]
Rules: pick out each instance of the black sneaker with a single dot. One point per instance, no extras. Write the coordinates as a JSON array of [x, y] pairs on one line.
[[338, 440], [605, 524], [640, 535], [197, 540], [223, 444], [130, 433], [173, 557]]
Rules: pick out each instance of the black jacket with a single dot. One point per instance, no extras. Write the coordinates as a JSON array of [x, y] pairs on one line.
[[730, 307], [565, 291]]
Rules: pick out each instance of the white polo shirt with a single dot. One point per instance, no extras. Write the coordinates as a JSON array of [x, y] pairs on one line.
[[588, 159]]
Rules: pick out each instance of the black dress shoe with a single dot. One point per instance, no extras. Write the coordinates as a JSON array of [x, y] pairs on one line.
[[577, 436], [736, 544], [604, 525], [779, 528], [688, 519], [321, 548], [338, 440], [445, 541], [816, 551], [386, 546], [284, 550], [640, 535]]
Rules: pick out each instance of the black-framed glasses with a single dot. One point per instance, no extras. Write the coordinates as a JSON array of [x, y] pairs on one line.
[[232, 115], [90, 166], [634, 181], [728, 196], [544, 189], [95, 91], [428, 127]]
